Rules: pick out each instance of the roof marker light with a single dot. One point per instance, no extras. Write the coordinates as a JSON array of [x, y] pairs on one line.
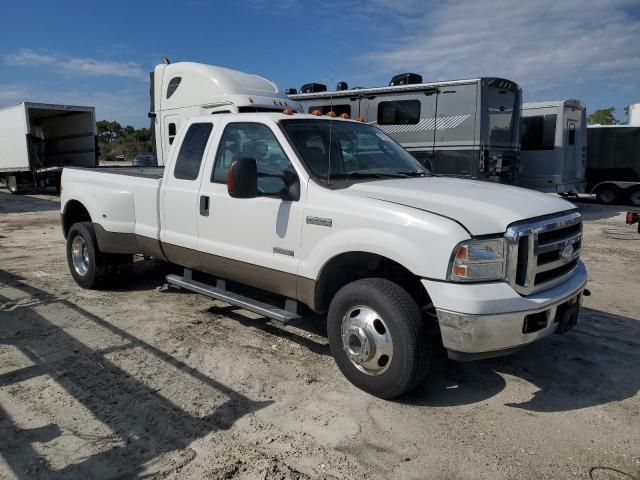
[[331, 113], [288, 111], [316, 112], [344, 115]]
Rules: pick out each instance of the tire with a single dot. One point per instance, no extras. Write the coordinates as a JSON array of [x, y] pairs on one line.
[[90, 271], [409, 358], [608, 195], [634, 197], [12, 185]]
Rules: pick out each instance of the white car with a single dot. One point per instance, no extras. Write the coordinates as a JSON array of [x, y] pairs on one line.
[[335, 215]]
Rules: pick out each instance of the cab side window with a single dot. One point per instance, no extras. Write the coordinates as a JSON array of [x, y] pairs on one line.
[[171, 132], [191, 151], [257, 141]]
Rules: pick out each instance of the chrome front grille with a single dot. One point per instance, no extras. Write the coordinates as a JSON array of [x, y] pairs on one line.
[[543, 253]]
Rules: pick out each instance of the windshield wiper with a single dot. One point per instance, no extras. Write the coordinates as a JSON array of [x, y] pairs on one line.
[[357, 175], [379, 174], [414, 173]]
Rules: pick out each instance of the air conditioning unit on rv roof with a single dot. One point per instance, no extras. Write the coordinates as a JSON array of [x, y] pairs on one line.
[[406, 79], [313, 88]]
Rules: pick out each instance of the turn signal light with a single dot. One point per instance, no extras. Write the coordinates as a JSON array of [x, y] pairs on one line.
[[460, 271]]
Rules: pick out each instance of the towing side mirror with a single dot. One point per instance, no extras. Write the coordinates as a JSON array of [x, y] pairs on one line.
[[242, 178], [292, 182]]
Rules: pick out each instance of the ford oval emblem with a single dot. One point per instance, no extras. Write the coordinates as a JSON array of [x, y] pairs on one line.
[[566, 252]]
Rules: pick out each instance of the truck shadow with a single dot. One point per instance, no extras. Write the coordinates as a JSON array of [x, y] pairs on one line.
[[594, 364], [592, 210], [26, 203], [137, 421]]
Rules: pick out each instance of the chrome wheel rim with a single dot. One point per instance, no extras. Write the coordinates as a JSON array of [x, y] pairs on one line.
[[366, 340], [80, 256], [634, 198]]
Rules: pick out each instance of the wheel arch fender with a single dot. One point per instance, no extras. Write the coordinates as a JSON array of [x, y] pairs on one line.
[[110, 206]]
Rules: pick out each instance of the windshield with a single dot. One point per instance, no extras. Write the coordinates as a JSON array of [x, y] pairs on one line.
[[335, 149]]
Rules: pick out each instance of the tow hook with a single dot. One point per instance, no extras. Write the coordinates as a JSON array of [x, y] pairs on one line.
[[586, 292]]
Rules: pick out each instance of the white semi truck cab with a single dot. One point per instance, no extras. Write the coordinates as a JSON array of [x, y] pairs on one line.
[[183, 90], [335, 217]]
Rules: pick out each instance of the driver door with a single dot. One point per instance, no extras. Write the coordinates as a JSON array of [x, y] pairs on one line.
[[257, 240]]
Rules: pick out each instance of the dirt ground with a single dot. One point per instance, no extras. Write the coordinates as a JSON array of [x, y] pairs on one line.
[[142, 381]]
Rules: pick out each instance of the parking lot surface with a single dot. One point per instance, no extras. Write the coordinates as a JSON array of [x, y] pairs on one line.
[[142, 381]]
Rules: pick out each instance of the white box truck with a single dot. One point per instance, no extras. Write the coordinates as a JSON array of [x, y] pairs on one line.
[[38, 139]]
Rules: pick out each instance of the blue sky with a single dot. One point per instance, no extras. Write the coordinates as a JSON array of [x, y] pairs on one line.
[[99, 53]]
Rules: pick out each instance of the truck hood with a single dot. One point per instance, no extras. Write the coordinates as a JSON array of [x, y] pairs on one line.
[[481, 207]]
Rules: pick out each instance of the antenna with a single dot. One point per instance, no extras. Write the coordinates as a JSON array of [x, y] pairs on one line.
[[330, 130]]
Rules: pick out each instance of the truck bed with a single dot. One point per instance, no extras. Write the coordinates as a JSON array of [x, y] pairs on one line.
[[124, 198], [147, 172]]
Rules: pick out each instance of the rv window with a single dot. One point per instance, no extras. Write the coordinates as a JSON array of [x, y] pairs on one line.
[[172, 132], [191, 151], [539, 132], [257, 141], [572, 134], [338, 109], [173, 85], [400, 112]]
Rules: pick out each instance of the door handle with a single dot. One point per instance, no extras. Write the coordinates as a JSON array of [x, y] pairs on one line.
[[204, 205]]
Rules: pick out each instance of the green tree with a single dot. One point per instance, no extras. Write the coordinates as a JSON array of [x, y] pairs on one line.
[[108, 131], [128, 131], [603, 116], [143, 135]]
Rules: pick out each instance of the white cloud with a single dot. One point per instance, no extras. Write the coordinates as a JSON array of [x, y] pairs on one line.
[[77, 66], [12, 94], [540, 44]]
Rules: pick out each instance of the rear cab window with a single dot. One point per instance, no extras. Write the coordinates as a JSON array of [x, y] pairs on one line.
[[191, 151]]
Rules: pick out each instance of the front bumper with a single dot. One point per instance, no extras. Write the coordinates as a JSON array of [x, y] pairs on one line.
[[491, 319]]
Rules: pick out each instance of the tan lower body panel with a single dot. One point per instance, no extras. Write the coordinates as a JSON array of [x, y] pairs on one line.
[[282, 283]]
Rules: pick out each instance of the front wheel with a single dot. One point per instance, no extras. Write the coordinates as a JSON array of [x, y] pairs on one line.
[[86, 263], [378, 337]]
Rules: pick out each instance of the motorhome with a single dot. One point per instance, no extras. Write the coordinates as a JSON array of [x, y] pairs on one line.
[[553, 152], [183, 90], [463, 128], [38, 139]]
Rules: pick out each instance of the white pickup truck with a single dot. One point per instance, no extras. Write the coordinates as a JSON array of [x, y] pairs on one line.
[[333, 214]]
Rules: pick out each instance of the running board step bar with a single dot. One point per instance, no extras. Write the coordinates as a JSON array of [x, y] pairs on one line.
[[264, 309]]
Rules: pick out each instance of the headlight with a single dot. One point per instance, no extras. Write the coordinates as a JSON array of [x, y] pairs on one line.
[[475, 260]]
